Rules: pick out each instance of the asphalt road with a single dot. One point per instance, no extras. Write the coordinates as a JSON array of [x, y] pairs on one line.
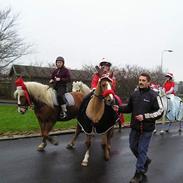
[[21, 163]]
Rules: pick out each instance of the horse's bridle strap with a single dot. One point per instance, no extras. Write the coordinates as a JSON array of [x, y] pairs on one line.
[[99, 96]]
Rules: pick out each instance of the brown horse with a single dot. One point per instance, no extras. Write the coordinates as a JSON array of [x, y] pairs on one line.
[[46, 107], [97, 116]]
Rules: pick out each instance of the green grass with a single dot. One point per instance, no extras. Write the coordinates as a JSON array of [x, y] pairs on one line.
[[12, 122]]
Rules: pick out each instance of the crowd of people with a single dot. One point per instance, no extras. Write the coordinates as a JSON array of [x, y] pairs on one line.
[[144, 105]]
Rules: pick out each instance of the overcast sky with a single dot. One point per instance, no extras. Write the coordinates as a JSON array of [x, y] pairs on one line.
[[133, 32]]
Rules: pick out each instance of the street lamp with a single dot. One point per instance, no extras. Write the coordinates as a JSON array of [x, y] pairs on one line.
[[162, 53]]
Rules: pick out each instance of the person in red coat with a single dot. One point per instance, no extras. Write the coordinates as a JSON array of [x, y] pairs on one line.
[[102, 69], [169, 85]]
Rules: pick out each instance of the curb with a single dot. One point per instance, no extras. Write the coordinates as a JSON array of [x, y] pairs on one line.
[[59, 132]]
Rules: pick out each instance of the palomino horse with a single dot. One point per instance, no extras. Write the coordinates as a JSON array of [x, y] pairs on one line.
[[173, 110], [97, 116], [45, 106], [79, 86]]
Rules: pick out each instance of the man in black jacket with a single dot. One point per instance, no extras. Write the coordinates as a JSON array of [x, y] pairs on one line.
[[146, 107]]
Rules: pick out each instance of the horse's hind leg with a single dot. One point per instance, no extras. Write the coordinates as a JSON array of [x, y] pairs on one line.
[[52, 140], [180, 126], [73, 141], [87, 153]]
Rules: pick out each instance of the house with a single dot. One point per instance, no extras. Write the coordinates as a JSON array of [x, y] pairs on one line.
[[43, 74]]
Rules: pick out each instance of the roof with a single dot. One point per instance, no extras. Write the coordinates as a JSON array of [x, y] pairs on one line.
[[45, 72]]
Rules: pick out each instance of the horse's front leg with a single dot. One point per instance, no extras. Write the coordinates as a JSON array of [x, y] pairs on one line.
[[106, 144], [46, 127], [73, 141], [162, 131], [43, 144], [87, 153]]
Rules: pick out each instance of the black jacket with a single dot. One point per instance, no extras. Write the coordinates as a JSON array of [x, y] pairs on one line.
[[146, 102]]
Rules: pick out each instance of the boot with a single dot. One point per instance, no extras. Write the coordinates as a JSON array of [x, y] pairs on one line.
[[138, 177], [63, 113], [146, 165]]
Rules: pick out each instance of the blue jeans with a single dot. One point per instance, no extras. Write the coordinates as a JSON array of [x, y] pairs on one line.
[[139, 143]]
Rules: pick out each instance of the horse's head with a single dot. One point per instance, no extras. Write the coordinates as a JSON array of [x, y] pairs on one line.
[[161, 92], [76, 86], [79, 86], [104, 89], [22, 100]]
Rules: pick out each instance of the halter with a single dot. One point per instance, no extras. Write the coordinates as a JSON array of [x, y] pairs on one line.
[[20, 83]]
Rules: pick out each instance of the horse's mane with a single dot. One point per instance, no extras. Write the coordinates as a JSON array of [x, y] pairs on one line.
[[39, 92], [80, 86]]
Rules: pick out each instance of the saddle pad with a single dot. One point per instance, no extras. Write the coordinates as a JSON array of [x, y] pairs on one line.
[[106, 123], [69, 99], [174, 108]]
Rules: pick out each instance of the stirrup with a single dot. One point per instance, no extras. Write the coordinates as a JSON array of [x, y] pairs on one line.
[[63, 115]]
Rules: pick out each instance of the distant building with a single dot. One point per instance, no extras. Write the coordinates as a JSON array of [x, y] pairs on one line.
[[38, 74]]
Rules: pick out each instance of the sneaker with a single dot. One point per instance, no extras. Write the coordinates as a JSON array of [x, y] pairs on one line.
[[138, 177], [146, 165]]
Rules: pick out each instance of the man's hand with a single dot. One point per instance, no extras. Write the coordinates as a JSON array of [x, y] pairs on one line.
[[57, 79], [139, 117], [51, 81], [115, 108]]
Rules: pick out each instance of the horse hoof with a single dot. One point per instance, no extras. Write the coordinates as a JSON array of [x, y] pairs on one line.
[[106, 158], [70, 146], [162, 132], [41, 147], [84, 163], [55, 143], [154, 132], [180, 130]]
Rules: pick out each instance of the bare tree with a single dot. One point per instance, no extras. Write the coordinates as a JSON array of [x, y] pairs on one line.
[[12, 46]]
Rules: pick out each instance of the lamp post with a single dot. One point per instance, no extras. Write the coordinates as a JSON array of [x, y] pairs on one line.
[[162, 53]]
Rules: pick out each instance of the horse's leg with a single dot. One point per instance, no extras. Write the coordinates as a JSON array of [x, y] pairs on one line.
[[180, 126], [106, 144], [162, 131], [109, 136], [45, 129], [43, 144], [73, 141], [87, 153], [48, 128], [169, 125]]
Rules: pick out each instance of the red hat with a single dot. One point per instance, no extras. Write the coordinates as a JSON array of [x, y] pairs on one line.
[[20, 82], [169, 75]]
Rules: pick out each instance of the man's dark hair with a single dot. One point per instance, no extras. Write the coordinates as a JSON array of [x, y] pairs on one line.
[[146, 75]]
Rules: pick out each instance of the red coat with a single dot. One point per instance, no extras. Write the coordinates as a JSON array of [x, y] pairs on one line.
[[95, 79], [168, 85]]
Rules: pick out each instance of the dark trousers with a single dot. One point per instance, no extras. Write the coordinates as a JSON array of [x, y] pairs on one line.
[[139, 143], [60, 95]]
